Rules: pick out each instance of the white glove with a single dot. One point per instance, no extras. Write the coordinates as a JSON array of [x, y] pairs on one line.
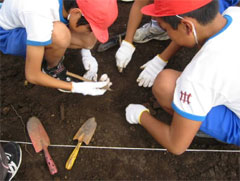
[[124, 55], [90, 64], [134, 113], [105, 78], [89, 88], [150, 72], [92, 88]]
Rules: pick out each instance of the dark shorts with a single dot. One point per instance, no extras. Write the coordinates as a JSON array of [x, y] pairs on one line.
[[224, 4], [13, 41], [222, 124]]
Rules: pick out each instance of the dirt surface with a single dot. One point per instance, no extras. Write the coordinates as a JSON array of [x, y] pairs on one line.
[[20, 101]]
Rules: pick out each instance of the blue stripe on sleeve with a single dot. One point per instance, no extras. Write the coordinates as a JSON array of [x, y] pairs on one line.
[[62, 19], [37, 43], [187, 115]]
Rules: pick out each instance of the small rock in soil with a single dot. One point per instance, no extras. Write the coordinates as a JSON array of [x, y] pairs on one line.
[[5, 110]]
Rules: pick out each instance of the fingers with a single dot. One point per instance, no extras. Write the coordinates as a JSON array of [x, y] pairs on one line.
[[98, 92], [90, 75], [144, 80], [150, 84], [86, 66], [90, 64], [92, 68], [96, 88], [144, 66], [124, 55], [120, 69], [99, 85], [109, 84], [140, 82], [120, 64], [95, 77], [147, 83], [105, 78], [140, 79], [125, 63]]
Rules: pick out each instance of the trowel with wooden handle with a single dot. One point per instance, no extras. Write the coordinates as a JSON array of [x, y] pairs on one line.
[[84, 134]]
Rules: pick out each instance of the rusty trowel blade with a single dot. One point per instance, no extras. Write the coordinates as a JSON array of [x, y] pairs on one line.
[[86, 131], [37, 134]]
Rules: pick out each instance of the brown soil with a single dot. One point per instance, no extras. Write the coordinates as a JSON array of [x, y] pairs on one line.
[[20, 101]]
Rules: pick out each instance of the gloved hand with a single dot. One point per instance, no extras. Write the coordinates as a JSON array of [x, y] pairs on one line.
[[90, 64], [89, 88], [134, 113], [92, 88], [150, 72], [124, 55], [105, 78]]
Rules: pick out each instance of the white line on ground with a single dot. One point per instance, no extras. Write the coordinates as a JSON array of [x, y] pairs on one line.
[[127, 148]]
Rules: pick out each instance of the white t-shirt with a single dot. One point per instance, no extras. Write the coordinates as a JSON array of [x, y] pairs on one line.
[[212, 78], [36, 16]]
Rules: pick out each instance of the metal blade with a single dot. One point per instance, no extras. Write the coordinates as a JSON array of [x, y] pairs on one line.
[[86, 131], [37, 134]]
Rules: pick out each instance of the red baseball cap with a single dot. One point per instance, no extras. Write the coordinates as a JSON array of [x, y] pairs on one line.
[[100, 14], [162, 8]]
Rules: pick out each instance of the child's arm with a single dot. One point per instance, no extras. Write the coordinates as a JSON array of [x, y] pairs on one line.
[[34, 75], [33, 71], [135, 18], [176, 137], [170, 51], [124, 54]]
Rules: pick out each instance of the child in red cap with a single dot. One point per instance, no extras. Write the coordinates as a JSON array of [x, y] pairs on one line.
[[42, 30], [149, 31], [205, 96]]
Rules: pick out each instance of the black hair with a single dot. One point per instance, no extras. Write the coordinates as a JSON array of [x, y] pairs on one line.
[[203, 15], [69, 4]]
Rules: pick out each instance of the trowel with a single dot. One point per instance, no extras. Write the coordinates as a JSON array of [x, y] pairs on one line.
[[40, 141], [84, 134]]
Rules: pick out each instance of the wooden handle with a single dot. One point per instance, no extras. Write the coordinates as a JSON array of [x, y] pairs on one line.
[[78, 77], [84, 79], [73, 157], [51, 165]]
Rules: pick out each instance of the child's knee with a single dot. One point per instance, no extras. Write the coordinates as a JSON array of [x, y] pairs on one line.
[[161, 86], [61, 35], [164, 86]]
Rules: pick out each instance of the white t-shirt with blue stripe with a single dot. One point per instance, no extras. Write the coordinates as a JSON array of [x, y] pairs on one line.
[[212, 78], [36, 16]]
